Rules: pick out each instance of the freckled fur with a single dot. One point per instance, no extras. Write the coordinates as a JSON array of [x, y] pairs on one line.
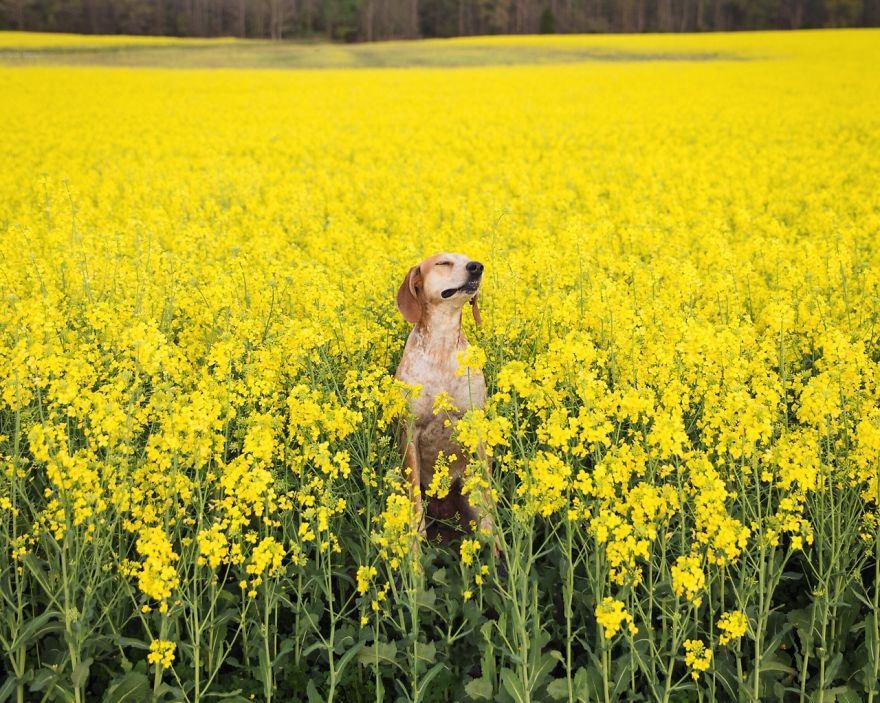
[[429, 360]]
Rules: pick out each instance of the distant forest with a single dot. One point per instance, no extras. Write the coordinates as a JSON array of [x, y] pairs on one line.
[[370, 20]]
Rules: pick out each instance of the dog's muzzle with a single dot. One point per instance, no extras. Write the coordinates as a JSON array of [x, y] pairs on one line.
[[469, 288], [472, 285]]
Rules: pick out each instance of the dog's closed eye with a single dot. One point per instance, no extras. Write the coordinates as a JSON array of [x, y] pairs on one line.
[[443, 263]]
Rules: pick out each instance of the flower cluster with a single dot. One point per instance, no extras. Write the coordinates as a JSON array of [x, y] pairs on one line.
[[198, 340], [732, 625], [162, 653], [611, 614], [697, 656]]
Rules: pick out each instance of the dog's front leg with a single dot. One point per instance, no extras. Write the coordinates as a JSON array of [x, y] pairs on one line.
[[412, 468]]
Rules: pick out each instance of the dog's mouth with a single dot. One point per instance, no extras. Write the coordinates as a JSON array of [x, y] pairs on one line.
[[468, 288]]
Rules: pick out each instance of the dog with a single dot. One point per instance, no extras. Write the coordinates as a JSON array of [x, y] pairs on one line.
[[432, 297]]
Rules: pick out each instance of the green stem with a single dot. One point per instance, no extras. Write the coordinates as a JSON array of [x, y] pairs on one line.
[[68, 625], [268, 678], [875, 650], [331, 640], [569, 590], [806, 661], [157, 668], [606, 667]]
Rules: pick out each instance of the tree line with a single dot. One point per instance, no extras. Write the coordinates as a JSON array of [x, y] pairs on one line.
[[371, 20]]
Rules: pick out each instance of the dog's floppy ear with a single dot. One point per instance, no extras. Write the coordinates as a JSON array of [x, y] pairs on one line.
[[408, 296], [475, 308]]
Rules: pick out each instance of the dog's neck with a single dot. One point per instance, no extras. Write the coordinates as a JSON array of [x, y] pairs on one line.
[[438, 332]]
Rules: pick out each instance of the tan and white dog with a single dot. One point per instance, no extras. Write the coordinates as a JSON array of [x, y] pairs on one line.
[[432, 297]]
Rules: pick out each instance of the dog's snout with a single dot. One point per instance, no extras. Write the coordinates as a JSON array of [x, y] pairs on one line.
[[475, 268]]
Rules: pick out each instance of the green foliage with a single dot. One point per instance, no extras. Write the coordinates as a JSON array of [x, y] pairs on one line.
[[388, 19], [548, 21]]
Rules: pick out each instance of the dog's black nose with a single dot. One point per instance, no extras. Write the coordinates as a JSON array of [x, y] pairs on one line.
[[474, 267]]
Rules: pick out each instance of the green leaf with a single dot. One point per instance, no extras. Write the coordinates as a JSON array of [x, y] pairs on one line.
[[870, 644], [228, 696], [426, 680], [846, 695], [165, 688], [773, 662], [347, 657], [41, 625], [42, 678], [8, 688], [580, 685], [343, 644], [39, 573], [801, 621], [426, 599], [540, 669], [132, 687], [512, 685], [772, 649], [81, 673], [799, 618], [285, 649], [312, 693], [384, 652], [313, 648], [131, 642], [833, 667], [479, 689], [558, 689], [427, 652]]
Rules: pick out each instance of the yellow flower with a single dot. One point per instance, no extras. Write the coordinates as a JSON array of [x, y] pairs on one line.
[[365, 574], [732, 625], [158, 576], [266, 558], [611, 614], [667, 435], [162, 653], [441, 481], [697, 656], [544, 484], [472, 358], [443, 403], [398, 530], [469, 549], [198, 332], [213, 546], [688, 579]]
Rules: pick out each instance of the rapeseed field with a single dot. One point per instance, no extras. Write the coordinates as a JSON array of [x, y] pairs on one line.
[[201, 494]]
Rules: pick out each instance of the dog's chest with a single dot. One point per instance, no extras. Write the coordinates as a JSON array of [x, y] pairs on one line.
[[434, 417], [444, 398], [438, 376], [449, 397]]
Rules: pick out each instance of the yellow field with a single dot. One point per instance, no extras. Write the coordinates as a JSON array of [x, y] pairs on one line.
[[682, 331]]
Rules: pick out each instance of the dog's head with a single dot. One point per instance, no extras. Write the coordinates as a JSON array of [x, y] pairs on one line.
[[441, 280]]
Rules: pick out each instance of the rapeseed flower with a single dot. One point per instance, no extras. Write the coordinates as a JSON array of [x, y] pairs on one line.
[[162, 653], [733, 625], [611, 614], [697, 656]]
